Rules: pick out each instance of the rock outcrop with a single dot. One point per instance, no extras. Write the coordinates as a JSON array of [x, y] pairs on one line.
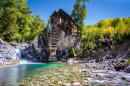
[[68, 41], [8, 55], [64, 43], [39, 48], [36, 51]]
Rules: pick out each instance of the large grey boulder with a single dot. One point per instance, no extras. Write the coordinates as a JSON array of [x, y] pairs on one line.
[[127, 69], [39, 48], [67, 41], [7, 54], [64, 43], [119, 66], [36, 51]]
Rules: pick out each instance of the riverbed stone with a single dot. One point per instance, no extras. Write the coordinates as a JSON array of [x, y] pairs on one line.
[[124, 78], [119, 66], [127, 69], [66, 84], [61, 76], [23, 84], [76, 84]]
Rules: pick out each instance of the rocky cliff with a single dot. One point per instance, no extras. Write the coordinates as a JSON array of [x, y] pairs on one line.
[[36, 51], [65, 43], [7, 54]]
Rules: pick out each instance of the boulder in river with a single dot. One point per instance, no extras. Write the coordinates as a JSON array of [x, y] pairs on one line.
[[127, 69], [119, 65]]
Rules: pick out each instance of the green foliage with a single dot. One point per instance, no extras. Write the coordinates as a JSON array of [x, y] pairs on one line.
[[46, 30], [49, 25], [79, 14], [16, 23], [89, 45], [72, 52], [117, 29], [45, 36], [60, 56], [63, 53], [118, 37], [128, 61]]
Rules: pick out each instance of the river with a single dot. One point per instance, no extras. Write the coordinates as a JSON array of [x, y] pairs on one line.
[[44, 74]]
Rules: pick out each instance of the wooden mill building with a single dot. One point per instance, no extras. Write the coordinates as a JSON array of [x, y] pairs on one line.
[[63, 21], [60, 21]]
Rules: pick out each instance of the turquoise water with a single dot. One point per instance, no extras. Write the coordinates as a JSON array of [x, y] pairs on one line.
[[17, 74]]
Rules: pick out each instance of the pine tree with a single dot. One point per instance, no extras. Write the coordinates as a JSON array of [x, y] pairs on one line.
[[17, 24], [79, 14]]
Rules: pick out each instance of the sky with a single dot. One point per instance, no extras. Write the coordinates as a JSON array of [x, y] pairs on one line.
[[96, 10]]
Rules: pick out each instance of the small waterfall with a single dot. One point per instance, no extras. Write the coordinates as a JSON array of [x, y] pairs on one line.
[[18, 52], [22, 60]]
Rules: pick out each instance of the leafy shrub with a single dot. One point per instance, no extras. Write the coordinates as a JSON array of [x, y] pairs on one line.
[[63, 53], [117, 29], [118, 37], [89, 45], [60, 56], [72, 52], [128, 61]]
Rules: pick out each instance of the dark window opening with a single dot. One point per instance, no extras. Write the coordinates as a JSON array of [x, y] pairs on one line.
[[61, 13], [52, 19]]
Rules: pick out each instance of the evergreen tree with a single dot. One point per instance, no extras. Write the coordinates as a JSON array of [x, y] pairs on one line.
[[16, 23], [79, 14]]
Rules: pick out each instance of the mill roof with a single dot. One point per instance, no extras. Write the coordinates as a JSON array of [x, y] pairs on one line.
[[57, 14]]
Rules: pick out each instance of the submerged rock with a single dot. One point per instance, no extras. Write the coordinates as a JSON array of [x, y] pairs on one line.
[[24, 84], [76, 84], [66, 84], [1, 64], [98, 76]]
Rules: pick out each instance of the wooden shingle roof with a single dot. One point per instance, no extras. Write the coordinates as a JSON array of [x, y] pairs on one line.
[[57, 14]]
